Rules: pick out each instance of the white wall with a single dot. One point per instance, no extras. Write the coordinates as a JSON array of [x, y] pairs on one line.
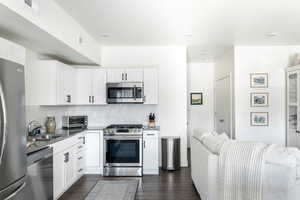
[[171, 62], [268, 59], [201, 79]]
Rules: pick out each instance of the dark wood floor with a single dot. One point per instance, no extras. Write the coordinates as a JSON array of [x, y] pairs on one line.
[[166, 186]]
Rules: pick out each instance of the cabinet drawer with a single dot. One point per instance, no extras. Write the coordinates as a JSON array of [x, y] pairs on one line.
[[150, 134], [63, 145]]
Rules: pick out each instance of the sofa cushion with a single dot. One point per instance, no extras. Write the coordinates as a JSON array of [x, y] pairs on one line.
[[200, 134], [215, 143], [284, 156]]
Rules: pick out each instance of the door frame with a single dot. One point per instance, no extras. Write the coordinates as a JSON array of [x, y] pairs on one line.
[[232, 136]]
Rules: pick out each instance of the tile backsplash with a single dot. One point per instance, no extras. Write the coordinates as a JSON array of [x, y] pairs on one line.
[[98, 115]]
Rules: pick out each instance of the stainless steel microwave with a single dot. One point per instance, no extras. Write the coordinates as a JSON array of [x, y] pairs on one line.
[[125, 92]]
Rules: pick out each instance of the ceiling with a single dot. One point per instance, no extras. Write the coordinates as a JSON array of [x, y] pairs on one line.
[[207, 27]]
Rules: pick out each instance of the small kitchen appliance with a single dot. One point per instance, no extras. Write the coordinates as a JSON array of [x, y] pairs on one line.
[[74, 122]]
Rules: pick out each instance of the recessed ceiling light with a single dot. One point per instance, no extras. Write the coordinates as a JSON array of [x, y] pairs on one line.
[[105, 35], [272, 34], [188, 34]]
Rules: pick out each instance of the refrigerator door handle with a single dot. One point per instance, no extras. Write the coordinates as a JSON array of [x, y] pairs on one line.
[[16, 192], [3, 125]]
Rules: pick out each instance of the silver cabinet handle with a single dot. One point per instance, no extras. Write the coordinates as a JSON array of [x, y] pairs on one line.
[[80, 158], [16, 192], [150, 134], [93, 99], [90, 99], [3, 125], [80, 170], [126, 76], [122, 76], [83, 139], [68, 98], [297, 131]]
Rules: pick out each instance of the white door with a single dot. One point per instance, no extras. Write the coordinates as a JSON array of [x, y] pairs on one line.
[[134, 75], [84, 86], [115, 75], [150, 86], [99, 86], [67, 84], [293, 109], [223, 105]]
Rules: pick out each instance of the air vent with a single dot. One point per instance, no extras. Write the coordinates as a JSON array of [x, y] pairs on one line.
[[28, 3]]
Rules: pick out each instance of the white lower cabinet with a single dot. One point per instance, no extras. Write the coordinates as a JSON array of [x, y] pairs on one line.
[[68, 163], [94, 152], [150, 152]]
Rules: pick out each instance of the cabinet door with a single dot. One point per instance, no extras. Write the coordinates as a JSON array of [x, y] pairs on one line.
[[66, 84], [134, 75], [69, 167], [84, 86], [150, 156], [99, 86], [115, 75], [150, 86], [58, 174], [93, 155]]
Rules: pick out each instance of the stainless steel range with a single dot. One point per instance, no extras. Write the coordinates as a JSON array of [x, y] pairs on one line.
[[123, 150]]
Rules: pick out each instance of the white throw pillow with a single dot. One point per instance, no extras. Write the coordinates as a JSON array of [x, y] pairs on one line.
[[215, 143], [200, 134]]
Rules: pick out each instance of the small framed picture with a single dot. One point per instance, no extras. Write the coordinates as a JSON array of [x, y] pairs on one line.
[[259, 99], [259, 80], [196, 98], [259, 119]]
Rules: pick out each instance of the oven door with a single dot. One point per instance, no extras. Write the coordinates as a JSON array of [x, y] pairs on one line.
[[123, 151], [125, 93]]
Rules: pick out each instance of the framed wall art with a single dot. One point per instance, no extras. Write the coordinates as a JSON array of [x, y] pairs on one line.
[[259, 80], [259, 119], [259, 99], [196, 98]]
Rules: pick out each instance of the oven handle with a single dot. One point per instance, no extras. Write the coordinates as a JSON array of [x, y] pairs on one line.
[[123, 137]]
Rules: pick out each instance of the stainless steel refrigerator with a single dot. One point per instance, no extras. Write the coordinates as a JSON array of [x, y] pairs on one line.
[[12, 130]]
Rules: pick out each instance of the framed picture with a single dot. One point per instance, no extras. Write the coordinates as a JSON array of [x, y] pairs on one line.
[[196, 98], [259, 99], [259, 119], [259, 80]]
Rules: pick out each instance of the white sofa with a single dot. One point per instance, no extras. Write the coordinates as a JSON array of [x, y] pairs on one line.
[[280, 181]]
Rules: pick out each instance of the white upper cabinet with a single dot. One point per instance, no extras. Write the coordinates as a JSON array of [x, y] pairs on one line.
[[50, 83], [66, 84], [84, 86], [150, 86], [99, 86], [91, 86], [125, 75], [115, 75], [134, 75]]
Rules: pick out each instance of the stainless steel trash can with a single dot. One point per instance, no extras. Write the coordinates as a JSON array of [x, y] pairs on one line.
[[170, 152]]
